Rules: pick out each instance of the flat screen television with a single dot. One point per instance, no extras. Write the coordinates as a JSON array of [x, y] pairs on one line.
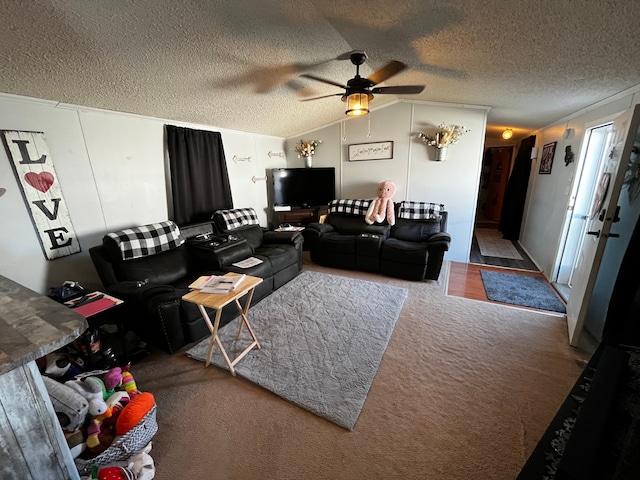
[[303, 187]]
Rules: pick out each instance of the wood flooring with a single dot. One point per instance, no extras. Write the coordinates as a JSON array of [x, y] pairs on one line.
[[465, 280]]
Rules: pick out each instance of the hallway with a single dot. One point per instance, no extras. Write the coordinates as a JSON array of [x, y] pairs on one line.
[[476, 255]]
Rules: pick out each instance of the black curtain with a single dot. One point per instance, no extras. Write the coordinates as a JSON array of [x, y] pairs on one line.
[[199, 178], [516, 191]]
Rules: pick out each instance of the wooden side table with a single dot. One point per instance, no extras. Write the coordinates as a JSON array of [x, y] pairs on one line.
[[217, 301], [98, 308]]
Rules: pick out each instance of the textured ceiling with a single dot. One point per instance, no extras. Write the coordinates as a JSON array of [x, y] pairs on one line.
[[236, 63]]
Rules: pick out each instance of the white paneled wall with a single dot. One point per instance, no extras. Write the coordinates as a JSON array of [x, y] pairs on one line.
[[413, 169], [113, 173]]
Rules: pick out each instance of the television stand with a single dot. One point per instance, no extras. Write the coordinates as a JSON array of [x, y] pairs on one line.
[[296, 216]]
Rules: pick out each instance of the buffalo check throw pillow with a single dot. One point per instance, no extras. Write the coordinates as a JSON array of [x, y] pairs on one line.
[[146, 240], [421, 211]]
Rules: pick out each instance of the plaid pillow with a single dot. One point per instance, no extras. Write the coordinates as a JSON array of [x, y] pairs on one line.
[[146, 240], [421, 211], [236, 217], [353, 207]]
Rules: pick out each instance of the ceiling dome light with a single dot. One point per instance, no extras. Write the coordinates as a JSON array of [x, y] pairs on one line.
[[507, 134]]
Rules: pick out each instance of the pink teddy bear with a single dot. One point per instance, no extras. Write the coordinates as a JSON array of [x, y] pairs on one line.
[[382, 206]]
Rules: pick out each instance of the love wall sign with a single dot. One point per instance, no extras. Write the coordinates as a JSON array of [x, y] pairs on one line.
[[33, 167]]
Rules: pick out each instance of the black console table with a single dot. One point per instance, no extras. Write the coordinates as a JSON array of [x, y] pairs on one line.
[[208, 248], [297, 216]]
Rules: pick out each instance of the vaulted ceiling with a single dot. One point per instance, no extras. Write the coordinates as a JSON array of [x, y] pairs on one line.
[[236, 64]]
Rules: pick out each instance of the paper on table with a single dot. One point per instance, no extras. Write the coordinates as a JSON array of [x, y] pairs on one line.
[[225, 284], [248, 262], [197, 284]]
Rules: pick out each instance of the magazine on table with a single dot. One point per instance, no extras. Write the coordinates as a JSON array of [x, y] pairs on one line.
[[218, 283]]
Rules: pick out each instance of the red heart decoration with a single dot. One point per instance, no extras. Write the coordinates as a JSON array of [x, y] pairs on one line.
[[40, 181]]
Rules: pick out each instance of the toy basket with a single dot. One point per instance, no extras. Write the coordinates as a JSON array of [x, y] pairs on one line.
[[125, 446]]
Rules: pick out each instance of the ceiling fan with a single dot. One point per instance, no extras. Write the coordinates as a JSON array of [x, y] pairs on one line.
[[359, 91]]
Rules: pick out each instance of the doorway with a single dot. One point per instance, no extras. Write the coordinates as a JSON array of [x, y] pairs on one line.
[[496, 166], [578, 212], [488, 247]]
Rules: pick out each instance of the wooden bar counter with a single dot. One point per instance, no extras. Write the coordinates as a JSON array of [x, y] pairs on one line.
[[32, 445]]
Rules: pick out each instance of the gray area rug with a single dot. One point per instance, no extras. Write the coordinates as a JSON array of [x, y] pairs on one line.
[[523, 290], [322, 339]]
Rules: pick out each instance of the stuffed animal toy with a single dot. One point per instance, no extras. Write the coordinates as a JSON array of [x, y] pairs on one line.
[[70, 406], [93, 431], [382, 206], [60, 366], [142, 464], [98, 439], [129, 383], [134, 412], [111, 473], [112, 379], [75, 442], [92, 389]]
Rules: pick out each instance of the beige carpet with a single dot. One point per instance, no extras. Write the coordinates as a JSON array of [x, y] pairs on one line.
[[464, 391], [492, 244]]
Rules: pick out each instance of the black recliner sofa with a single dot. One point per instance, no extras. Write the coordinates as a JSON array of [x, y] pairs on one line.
[[417, 242], [344, 239], [413, 248], [153, 279]]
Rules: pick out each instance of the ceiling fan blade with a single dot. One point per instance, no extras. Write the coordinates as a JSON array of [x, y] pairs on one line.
[[347, 55], [324, 96], [399, 90], [323, 80], [388, 71]]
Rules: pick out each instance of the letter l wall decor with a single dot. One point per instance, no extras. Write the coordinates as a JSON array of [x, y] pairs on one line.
[[33, 166]]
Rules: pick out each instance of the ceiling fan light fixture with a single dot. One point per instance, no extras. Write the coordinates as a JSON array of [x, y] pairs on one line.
[[357, 104], [507, 134]]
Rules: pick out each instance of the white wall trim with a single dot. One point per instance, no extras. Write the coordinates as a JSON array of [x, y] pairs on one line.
[[21, 98], [410, 151], [394, 102], [442, 104], [605, 101], [82, 108]]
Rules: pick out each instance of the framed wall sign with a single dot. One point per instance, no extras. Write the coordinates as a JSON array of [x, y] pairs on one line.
[[371, 151], [548, 151], [33, 166]]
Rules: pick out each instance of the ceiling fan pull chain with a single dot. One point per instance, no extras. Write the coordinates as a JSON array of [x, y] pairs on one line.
[[343, 125], [369, 130]]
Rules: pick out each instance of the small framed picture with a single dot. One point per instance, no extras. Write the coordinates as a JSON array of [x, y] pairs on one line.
[[546, 162], [371, 151]]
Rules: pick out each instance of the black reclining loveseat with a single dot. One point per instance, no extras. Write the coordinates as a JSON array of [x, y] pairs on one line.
[[150, 268], [413, 248], [344, 239]]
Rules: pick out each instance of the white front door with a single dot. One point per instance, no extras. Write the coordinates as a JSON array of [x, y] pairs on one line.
[[601, 216]]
